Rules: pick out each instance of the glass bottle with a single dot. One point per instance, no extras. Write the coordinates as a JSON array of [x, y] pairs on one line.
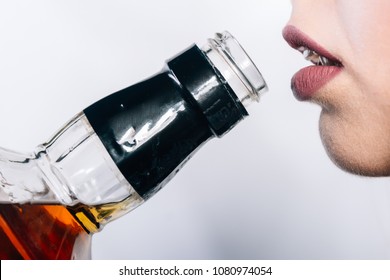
[[121, 150]]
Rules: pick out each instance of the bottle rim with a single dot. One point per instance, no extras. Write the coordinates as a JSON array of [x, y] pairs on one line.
[[240, 62]]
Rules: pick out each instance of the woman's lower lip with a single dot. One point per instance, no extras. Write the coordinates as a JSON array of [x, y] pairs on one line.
[[309, 80]]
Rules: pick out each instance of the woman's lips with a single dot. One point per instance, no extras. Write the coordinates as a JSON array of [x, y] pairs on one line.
[[309, 80], [306, 82]]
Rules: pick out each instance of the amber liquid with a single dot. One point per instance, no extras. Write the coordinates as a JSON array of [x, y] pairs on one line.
[[34, 231]]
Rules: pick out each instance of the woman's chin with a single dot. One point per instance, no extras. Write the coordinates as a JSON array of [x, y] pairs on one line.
[[355, 149], [358, 167]]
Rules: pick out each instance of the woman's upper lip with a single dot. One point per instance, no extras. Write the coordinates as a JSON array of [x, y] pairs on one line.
[[297, 39]]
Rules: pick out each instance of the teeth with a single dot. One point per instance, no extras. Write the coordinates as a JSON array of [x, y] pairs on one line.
[[313, 57], [324, 61]]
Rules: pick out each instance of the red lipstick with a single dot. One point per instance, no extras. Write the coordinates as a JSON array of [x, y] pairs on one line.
[[306, 82]]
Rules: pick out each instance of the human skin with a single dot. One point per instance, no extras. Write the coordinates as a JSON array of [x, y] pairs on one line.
[[355, 117]]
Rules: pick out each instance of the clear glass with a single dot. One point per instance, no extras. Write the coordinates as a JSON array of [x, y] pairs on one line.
[[73, 167], [239, 71]]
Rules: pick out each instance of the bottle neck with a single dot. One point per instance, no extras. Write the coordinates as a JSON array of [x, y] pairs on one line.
[[208, 89], [149, 130]]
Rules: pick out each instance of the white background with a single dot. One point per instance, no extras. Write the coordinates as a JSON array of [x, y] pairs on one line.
[[265, 191]]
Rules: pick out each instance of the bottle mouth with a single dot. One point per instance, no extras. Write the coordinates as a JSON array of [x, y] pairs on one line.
[[239, 71]]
